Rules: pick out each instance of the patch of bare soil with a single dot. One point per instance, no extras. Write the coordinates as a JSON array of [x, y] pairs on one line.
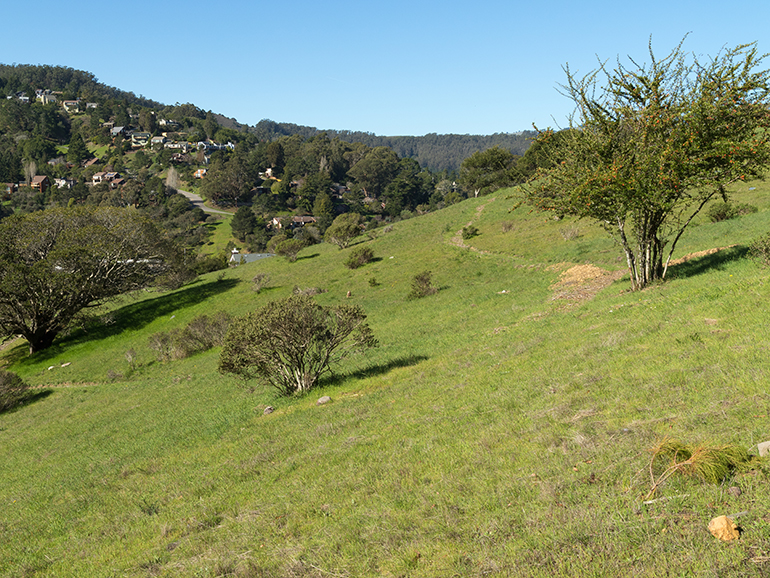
[[698, 254], [583, 282]]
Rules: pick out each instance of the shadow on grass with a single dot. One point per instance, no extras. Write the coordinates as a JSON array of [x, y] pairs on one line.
[[372, 371], [136, 315], [714, 261], [311, 256], [29, 398]]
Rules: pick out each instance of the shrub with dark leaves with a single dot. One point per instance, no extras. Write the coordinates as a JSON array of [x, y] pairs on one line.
[[13, 390], [359, 256]]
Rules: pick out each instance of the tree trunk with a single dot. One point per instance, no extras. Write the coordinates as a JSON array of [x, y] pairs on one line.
[[41, 340]]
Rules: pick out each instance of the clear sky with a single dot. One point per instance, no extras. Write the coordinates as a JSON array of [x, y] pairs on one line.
[[403, 67]]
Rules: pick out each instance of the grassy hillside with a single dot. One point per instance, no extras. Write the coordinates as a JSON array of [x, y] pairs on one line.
[[502, 428]]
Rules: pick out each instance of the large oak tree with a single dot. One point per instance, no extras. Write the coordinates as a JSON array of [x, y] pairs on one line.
[[55, 263], [651, 144]]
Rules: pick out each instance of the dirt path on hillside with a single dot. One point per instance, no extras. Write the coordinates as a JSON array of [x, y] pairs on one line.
[[457, 240]]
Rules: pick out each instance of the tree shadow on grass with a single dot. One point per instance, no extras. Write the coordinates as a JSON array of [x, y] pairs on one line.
[[372, 371], [137, 314], [714, 261], [28, 398]]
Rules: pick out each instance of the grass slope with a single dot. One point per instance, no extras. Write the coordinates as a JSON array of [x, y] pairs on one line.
[[502, 428]]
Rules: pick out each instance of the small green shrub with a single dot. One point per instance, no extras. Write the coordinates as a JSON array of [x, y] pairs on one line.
[[204, 332], [359, 257], [508, 226], [260, 281], [201, 334], [13, 390], [469, 232], [290, 248], [310, 291], [422, 285], [162, 343], [208, 263], [569, 233], [292, 342], [343, 230], [726, 210], [373, 282], [275, 241], [760, 250]]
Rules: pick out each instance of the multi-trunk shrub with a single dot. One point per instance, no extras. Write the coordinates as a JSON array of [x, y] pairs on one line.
[[292, 342]]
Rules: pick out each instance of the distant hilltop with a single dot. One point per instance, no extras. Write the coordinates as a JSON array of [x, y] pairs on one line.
[[437, 152]]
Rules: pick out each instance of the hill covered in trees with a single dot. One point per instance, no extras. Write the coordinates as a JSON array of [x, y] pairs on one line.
[[67, 139], [437, 152]]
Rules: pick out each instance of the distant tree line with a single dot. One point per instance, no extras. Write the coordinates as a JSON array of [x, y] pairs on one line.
[[437, 152]]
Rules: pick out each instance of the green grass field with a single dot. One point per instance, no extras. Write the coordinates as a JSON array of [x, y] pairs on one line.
[[502, 428]]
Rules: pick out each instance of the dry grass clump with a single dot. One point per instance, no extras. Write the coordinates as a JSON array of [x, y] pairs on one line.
[[710, 463]]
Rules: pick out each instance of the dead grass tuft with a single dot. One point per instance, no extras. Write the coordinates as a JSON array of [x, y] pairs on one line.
[[710, 463]]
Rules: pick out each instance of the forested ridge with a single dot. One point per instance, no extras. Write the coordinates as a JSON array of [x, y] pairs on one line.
[[437, 152]]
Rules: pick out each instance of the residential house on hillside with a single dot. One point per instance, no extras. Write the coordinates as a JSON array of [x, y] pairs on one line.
[[63, 183], [181, 146], [200, 173], [291, 222], [40, 183], [47, 98], [6, 189], [105, 177], [22, 96], [238, 258], [71, 105], [140, 139], [169, 124], [302, 221]]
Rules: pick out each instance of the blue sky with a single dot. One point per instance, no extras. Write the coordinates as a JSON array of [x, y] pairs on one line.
[[406, 67]]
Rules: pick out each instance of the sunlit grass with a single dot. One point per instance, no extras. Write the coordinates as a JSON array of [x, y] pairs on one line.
[[495, 432]]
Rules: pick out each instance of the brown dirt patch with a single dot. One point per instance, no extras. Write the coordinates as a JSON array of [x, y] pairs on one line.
[[583, 282], [698, 254]]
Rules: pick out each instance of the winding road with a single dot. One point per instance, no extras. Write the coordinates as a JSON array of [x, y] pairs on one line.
[[197, 200]]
